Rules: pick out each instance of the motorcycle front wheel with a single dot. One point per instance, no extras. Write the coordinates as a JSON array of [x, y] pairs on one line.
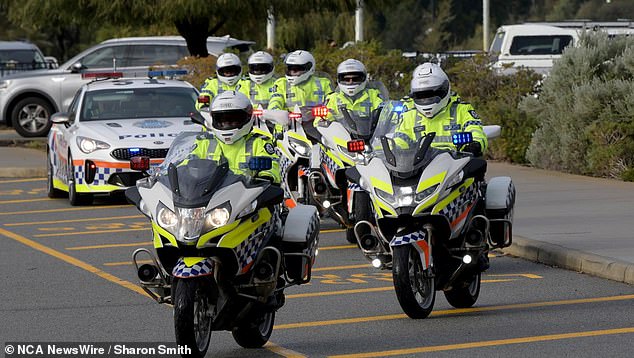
[[256, 333], [466, 296], [361, 209], [192, 316], [415, 288]]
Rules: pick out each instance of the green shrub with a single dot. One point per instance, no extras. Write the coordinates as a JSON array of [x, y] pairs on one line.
[[496, 97], [585, 112]]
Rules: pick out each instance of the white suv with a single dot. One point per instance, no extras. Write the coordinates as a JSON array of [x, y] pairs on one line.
[[27, 100]]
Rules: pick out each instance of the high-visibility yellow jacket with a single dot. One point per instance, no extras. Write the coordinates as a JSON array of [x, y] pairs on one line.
[[212, 87], [311, 92]]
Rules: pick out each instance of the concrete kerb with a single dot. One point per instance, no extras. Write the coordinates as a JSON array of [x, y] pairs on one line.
[[25, 173], [570, 259]]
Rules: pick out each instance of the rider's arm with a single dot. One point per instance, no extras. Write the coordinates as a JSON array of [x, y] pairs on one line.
[[266, 148], [470, 122], [278, 98]]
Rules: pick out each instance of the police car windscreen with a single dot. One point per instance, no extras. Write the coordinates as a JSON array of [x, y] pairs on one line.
[[108, 104]]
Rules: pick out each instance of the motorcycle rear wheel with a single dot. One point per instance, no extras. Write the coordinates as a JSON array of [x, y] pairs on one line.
[[465, 297], [255, 334], [415, 288], [192, 321]]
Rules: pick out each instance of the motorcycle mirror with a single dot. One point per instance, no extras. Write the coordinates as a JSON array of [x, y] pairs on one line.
[[356, 146], [197, 118], [260, 163], [492, 131], [460, 138], [140, 163]]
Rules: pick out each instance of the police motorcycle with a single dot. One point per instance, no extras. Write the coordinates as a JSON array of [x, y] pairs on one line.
[[327, 183], [222, 255], [435, 218]]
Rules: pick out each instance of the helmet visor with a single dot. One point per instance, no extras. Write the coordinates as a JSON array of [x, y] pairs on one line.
[[351, 78], [229, 71], [296, 70], [432, 95], [260, 68], [227, 120]]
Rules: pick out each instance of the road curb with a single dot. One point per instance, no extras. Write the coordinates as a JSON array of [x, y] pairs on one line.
[[23, 173], [570, 259]]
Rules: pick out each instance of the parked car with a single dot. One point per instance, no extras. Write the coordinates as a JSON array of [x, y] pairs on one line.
[[109, 121], [27, 100], [20, 56]]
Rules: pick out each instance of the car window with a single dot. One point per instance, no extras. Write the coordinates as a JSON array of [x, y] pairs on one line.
[[138, 103], [72, 108], [496, 46], [147, 55], [102, 58], [540, 45]]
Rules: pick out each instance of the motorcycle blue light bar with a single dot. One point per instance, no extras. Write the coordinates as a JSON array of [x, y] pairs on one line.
[[461, 138], [166, 73], [398, 107], [260, 163]]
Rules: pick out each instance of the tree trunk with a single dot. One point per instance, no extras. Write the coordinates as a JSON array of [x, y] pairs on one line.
[[196, 39]]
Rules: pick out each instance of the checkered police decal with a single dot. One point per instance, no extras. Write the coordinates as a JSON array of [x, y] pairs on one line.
[[248, 250], [453, 210], [101, 176], [330, 164], [202, 268], [408, 239]]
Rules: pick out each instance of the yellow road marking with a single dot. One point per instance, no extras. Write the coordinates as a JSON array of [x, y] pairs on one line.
[[497, 342], [456, 311], [75, 220], [527, 275], [108, 246], [24, 201], [90, 232], [338, 247], [284, 352], [60, 210], [341, 267], [73, 261], [326, 231], [21, 180], [127, 263]]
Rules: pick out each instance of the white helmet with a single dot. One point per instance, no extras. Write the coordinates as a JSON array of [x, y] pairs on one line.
[[228, 68], [260, 67], [351, 77], [231, 116], [300, 65], [430, 89]]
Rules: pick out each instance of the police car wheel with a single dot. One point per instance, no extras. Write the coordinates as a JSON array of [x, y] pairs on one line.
[[31, 117], [73, 196]]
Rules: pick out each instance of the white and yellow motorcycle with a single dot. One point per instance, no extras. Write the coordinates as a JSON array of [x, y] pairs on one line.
[[435, 218]]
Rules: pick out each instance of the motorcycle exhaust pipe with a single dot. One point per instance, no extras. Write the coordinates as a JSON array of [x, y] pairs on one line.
[[147, 273]]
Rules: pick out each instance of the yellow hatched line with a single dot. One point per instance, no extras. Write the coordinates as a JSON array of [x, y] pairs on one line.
[[497, 342], [74, 220], [21, 180], [59, 210], [90, 232], [326, 231]]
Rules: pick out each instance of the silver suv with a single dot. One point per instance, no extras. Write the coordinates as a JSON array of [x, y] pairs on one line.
[[27, 100], [20, 56]]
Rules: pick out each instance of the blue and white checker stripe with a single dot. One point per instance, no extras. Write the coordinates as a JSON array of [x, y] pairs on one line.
[[408, 239], [248, 250], [453, 210], [101, 176], [202, 268], [354, 187], [332, 166]]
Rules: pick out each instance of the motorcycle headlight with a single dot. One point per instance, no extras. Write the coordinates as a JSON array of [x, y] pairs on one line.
[[457, 178], [425, 193], [190, 223], [249, 209], [166, 218], [217, 217], [89, 145], [403, 196], [356, 157], [298, 146]]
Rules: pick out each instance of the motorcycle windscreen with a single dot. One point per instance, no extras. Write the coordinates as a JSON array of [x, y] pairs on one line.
[[359, 125], [404, 159], [194, 183]]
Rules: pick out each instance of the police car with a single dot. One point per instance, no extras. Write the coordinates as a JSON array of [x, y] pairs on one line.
[[108, 122]]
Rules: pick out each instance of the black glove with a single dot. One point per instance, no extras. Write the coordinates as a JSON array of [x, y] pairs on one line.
[[474, 148]]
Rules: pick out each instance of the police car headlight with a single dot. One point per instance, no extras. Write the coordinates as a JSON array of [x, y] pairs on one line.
[[4, 84], [89, 145]]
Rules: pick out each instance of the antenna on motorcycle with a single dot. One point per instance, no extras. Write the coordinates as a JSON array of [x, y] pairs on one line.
[[295, 115]]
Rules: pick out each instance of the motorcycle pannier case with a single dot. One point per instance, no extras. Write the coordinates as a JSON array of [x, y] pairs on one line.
[[500, 199], [299, 242]]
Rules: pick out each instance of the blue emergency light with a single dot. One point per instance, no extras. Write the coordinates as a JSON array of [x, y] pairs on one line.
[[260, 163], [461, 138], [134, 151], [166, 73], [398, 107]]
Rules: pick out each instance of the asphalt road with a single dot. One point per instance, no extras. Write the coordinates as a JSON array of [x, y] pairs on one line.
[[67, 276]]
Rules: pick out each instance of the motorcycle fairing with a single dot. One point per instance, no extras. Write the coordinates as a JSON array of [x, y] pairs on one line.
[[457, 205], [188, 267], [330, 164]]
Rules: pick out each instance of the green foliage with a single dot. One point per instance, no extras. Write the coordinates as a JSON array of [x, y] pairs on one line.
[[585, 111], [496, 97], [389, 67], [198, 68]]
